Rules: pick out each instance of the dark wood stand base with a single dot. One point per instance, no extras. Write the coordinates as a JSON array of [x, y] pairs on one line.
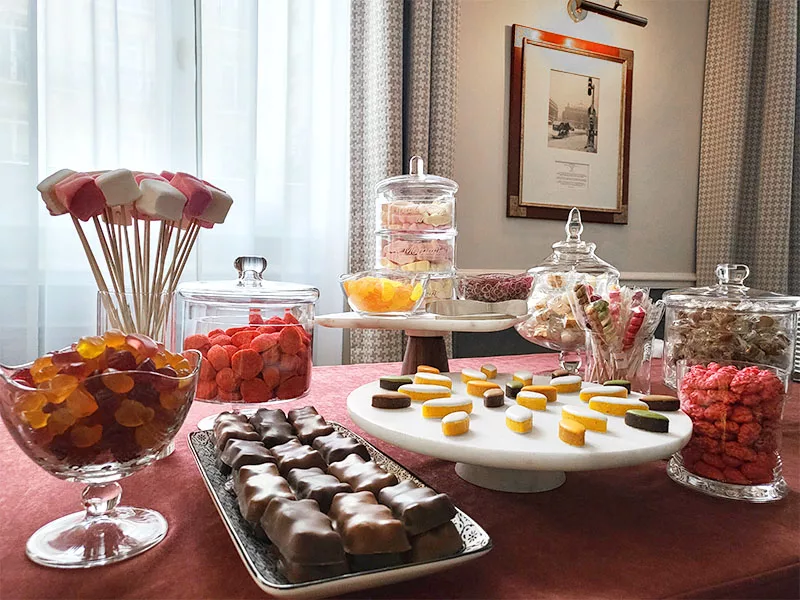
[[427, 350]]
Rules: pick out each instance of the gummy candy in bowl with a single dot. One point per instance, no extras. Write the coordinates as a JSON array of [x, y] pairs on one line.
[[736, 410], [96, 412], [387, 293]]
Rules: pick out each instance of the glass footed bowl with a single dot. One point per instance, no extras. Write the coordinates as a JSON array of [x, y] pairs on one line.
[[385, 293], [93, 435]]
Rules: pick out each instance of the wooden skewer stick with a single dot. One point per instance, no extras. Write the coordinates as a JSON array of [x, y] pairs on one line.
[[111, 270], [98, 276]]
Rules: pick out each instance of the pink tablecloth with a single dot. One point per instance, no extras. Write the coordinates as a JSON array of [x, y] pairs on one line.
[[622, 533]]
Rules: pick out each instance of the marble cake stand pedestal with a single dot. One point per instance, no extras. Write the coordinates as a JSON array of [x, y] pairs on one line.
[[425, 333], [492, 456]]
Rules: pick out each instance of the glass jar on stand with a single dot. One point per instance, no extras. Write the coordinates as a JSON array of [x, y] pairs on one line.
[[552, 323], [255, 336]]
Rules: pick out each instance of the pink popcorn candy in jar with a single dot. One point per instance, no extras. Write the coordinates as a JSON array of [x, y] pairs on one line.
[[736, 410]]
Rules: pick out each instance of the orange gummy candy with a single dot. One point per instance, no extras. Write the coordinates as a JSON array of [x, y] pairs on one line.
[[90, 347], [60, 387], [60, 420], [150, 435], [160, 360], [84, 436], [31, 401], [114, 338], [81, 403], [132, 413], [43, 369], [118, 382], [142, 344], [36, 418], [173, 400]]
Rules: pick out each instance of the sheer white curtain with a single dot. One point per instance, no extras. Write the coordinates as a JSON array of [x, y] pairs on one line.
[[251, 94]]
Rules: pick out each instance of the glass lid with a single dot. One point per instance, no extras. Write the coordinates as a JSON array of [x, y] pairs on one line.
[[417, 182], [574, 254], [249, 287], [730, 292]]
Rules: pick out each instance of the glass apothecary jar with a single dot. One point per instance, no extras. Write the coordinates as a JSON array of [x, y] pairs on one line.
[[417, 202], [736, 409], [432, 253], [255, 336], [729, 322], [552, 323]]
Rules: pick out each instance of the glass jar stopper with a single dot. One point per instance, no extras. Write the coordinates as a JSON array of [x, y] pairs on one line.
[[732, 274], [250, 269]]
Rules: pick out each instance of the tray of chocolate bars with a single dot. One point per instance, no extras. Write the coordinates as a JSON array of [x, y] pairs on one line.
[[314, 510]]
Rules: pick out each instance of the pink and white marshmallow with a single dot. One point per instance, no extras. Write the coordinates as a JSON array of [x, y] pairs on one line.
[[46, 188], [160, 200], [80, 195], [198, 197], [119, 187], [218, 208]]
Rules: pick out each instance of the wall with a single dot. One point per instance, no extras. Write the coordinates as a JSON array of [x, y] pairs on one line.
[[669, 58]]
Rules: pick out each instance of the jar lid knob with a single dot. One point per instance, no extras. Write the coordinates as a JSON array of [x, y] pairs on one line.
[[730, 274], [416, 166], [574, 226], [250, 269]]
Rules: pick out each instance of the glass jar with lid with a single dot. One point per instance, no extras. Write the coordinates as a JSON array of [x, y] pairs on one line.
[[729, 322], [417, 202], [552, 323], [255, 336]]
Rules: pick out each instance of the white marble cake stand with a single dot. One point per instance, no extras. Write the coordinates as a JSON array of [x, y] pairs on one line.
[[492, 456], [425, 333]]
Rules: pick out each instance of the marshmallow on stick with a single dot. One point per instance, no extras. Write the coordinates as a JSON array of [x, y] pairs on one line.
[[138, 258]]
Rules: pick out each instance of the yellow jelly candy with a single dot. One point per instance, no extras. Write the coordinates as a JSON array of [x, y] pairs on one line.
[[171, 400], [114, 338], [85, 436], [160, 360], [133, 414], [81, 403], [43, 369], [60, 387], [90, 347], [118, 382], [60, 420], [36, 418], [416, 293], [31, 401]]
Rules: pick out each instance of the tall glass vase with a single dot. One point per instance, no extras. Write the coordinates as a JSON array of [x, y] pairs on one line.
[[604, 363]]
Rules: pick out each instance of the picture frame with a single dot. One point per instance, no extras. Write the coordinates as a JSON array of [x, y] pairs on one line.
[[565, 148]]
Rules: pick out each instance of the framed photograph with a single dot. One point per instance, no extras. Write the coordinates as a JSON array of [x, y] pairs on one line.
[[569, 127]]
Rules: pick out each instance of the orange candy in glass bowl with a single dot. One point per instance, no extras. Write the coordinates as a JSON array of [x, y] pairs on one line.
[[384, 293], [96, 412]]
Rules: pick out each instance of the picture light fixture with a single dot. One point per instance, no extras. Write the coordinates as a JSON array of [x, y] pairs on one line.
[[577, 10]]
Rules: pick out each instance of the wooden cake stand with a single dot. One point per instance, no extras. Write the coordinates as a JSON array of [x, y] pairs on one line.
[[492, 456], [425, 333]]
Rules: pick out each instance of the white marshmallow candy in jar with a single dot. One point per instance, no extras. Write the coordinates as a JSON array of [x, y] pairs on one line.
[[416, 227], [552, 324]]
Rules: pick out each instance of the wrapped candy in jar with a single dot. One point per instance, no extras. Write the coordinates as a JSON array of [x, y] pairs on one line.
[[255, 336], [736, 410], [552, 323], [729, 322]]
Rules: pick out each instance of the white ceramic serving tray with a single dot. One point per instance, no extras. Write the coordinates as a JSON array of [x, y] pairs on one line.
[[260, 558], [422, 322], [493, 456]]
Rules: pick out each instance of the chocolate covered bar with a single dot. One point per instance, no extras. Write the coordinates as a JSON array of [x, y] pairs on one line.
[[233, 429], [310, 427], [308, 545], [361, 475], [299, 413], [294, 455], [314, 484], [371, 536], [439, 542], [238, 453], [419, 508], [335, 447], [258, 490]]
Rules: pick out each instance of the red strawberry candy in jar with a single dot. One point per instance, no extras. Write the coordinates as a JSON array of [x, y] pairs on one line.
[[736, 412], [255, 336]]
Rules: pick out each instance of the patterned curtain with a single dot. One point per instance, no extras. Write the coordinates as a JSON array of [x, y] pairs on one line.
[[749, 192], [403, 103]]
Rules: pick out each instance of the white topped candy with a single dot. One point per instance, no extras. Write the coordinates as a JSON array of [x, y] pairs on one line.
[[454, 417], [603, 390], [422, 388], [518, 414], [471, 374], [433, 379], [451, 401], [119, 187], [566, 380], [525, 377]]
